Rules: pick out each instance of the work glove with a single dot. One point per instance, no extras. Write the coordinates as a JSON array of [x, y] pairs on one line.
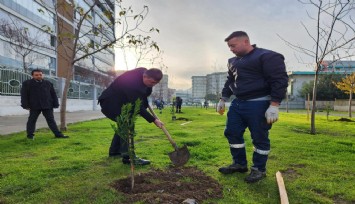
[[272, 114], [221, 107]]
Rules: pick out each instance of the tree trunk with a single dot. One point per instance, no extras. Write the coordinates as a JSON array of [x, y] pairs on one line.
[[313, 113], [63, 107], [131, 157], [350, 101], [286, 102], [24, 64]]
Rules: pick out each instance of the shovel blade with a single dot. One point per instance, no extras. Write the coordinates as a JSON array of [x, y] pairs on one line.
[[180, 156]]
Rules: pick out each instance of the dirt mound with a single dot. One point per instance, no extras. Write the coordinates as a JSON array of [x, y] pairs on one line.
[[181, 118], [173, 185], [345, 120]]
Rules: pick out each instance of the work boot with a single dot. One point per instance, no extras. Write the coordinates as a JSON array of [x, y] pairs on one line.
[[31, 137], [136, 161], [233, 168], [255, 175]]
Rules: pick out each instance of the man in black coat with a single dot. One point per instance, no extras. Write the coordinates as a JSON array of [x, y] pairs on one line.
[[127, 88], [38, 96], [178, 104]]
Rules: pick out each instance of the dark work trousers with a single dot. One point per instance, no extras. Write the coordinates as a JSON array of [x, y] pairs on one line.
[[48, 114], [118, 146], [178, 108], [251, 115]]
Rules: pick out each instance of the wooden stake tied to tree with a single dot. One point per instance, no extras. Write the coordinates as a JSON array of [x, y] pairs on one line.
[[125, 128]]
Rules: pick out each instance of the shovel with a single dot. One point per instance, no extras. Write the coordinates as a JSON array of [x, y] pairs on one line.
[[180, 156]]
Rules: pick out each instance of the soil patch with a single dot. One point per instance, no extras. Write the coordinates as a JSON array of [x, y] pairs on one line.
[[181, 118], [173, 185], [345, 120], [290, 173]]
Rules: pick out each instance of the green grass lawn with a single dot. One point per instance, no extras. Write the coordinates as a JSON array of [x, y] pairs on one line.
[[316, 168]]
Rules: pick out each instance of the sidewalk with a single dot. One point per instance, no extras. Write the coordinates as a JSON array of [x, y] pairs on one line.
[[17, 123]]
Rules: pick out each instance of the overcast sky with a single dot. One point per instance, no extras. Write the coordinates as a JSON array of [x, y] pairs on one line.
[[192, 32]]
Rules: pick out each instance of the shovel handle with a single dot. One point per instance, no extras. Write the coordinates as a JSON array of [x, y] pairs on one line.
[[164, 130]]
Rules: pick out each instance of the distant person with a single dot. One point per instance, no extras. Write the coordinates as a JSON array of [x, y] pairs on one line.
[[258, 79], [157, 104], [205, 104], [160, 105], [178, 104], [38, 96], [127, 88]]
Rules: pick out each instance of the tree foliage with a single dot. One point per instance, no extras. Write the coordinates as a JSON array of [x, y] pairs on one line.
[[347, 84], [22, 41], [326, 90], [94, 34], [332, 34], [125, 128]]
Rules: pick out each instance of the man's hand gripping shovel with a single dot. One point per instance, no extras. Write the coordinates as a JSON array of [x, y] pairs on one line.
[[180, 156]]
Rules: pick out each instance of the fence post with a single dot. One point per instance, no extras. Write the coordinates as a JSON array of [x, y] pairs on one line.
[[94, 97], [308, 106]]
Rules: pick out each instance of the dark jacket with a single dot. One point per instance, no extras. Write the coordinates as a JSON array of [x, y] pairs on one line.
[[126, 88], [259, 73], [38, 95], [178, 101]]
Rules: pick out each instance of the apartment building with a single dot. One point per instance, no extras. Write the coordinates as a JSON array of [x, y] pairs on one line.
[[161, 90], [210, 84], [43, 22], [215, 82], [199, 87]]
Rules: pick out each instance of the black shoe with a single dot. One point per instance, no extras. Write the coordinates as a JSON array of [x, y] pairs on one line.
[[61, 136], [255, 175], [233, 168], [31, 137], [136, 161]]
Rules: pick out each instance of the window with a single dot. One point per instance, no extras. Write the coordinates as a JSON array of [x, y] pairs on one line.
[[53, 41]]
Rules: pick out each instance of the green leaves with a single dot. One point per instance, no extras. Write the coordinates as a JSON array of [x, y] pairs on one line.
[[326, 89], [122, 13], [347, 85], [125, 122]]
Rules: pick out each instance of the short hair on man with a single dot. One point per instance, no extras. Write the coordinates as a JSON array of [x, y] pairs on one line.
[[154, 73], [36, 70], [236, 34]]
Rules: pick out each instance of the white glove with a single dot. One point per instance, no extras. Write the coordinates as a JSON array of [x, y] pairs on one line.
[[272, 114], [221, 107]]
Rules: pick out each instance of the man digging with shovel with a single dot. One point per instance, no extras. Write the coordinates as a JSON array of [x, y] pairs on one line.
[[127, 88]]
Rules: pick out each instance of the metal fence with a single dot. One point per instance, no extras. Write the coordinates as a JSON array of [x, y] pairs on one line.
[[11, 83], [80, 90]]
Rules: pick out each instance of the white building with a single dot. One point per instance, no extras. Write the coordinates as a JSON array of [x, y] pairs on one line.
[[298, 78], [199, 87], [215, 82], [161, 90], [210, 84]]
